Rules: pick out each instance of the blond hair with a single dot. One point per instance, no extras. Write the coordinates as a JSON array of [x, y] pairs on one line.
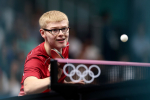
[[52, 16]]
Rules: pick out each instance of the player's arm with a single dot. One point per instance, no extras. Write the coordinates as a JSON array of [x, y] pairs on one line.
[[33, 85], [32, 73]]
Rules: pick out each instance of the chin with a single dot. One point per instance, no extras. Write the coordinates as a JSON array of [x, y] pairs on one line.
[[61, 46]]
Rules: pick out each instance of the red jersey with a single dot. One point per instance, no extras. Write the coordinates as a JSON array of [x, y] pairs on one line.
[[36, 64]]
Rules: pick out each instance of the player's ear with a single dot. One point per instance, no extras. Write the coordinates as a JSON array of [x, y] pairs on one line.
[[42, 33]]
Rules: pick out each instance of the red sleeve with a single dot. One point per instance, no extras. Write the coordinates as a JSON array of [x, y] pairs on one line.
[[33, 67]]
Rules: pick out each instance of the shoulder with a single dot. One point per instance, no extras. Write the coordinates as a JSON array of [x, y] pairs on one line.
[[66, 48], [67, 44], [65, 51], [38, 53]]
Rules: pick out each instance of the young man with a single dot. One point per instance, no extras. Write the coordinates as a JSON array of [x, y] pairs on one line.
[[55, 30]]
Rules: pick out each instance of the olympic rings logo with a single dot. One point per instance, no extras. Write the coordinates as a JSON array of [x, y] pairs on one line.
[[83, 74]]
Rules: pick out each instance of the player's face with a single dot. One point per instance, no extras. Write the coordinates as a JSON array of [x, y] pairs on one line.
[[57, 39]]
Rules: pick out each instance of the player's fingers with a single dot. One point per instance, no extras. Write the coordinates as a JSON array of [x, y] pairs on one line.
[[80, 82], [58, 64], [61, 65]]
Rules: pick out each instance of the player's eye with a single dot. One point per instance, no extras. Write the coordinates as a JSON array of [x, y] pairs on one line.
[[55, 30], [64, 29]]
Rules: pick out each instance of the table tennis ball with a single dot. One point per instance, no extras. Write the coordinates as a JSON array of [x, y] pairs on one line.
[[124, 38]]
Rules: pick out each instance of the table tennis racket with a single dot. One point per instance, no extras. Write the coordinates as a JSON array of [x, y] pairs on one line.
[[56, 54]]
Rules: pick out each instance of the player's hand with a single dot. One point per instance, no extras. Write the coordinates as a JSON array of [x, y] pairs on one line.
[[59, 73], [61, 65], [80, 82]]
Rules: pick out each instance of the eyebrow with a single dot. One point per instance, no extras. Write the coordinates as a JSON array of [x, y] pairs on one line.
[[58, 27]]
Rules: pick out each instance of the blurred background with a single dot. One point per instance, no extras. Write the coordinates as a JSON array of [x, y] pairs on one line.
[[96, 27]]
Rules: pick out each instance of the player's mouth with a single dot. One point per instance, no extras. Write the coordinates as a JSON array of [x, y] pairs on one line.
[[60, 40]]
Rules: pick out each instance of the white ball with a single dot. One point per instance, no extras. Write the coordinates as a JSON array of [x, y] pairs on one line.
[[124, 38]]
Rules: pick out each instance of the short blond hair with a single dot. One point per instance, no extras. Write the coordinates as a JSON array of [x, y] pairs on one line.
[[52, 16]]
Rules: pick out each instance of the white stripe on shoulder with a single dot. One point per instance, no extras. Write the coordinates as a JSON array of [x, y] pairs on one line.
[[47, 59], [29, 54]]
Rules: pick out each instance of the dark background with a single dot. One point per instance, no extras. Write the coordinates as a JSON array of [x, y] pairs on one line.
[[96, 27]]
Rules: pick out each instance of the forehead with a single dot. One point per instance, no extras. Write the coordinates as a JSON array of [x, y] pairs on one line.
[[59, 24]]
